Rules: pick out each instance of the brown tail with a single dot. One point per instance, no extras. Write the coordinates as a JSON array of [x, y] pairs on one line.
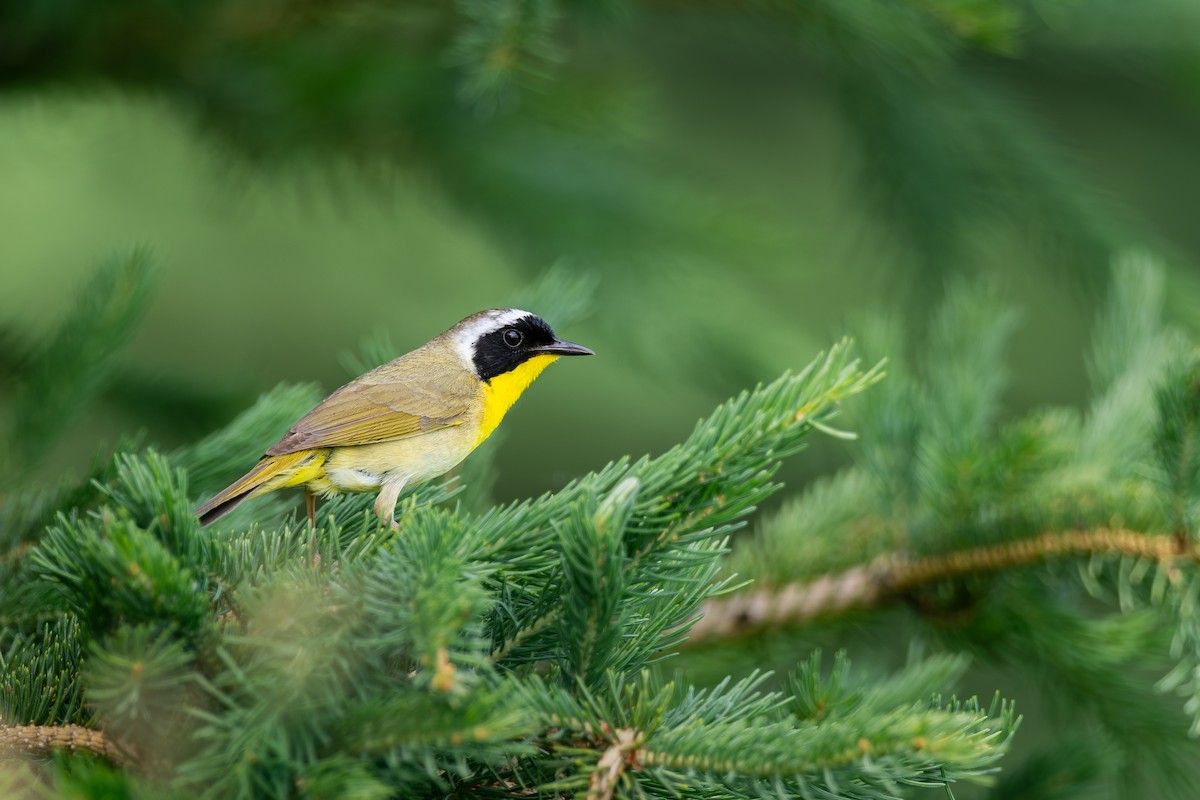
[[212, 511], [273, 472]]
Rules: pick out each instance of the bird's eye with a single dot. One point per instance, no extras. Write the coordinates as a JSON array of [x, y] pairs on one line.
[[513, 338]]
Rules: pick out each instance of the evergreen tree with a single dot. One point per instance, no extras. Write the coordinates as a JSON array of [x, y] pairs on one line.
[[517, 649], [1060, 547], [492, 653]]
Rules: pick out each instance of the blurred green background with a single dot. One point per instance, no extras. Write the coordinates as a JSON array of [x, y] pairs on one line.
[[744, 182]]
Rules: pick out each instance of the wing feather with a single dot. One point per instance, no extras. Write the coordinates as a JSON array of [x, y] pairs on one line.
[[376, 408]]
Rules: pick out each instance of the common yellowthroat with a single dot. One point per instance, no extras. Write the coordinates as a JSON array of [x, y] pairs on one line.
[[408, 420]]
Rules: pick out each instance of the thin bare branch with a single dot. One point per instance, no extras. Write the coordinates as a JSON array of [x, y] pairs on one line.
[[889, 578], [41, 739], [612, 764]]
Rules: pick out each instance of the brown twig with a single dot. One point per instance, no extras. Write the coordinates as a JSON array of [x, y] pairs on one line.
[[612, 763], [41, 739], [888, 578]]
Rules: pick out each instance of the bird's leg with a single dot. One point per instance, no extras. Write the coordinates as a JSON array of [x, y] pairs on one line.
[[385, 504], [310, 505]]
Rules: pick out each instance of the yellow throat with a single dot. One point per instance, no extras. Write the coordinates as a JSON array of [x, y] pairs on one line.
[[503, 390]]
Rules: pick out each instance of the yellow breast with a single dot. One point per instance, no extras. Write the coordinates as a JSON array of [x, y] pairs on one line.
[[503, 390]]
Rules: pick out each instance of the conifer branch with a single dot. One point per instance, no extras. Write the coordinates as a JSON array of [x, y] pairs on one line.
[[521, 636], [888, 578], [733, 761], [41, 739], [904, 745], [612, 764]]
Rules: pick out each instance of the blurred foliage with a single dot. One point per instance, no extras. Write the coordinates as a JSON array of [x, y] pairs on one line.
[[514, 109], [782, 163]]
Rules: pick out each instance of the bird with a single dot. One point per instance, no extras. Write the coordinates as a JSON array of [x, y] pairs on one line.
[[406, 421]]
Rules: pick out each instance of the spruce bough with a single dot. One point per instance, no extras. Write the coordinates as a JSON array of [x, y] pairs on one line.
[[503, 653]]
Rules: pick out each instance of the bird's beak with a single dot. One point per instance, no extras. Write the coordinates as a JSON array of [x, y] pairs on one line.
[[562, 348]]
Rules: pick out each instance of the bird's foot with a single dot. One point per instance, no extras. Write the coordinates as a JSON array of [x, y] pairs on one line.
[[388, 518], [385, 504]]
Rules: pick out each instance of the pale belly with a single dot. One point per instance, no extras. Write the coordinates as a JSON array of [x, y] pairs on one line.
[[409, 461]]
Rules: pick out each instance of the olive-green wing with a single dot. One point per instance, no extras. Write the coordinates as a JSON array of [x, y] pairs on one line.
[[367, 413]]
